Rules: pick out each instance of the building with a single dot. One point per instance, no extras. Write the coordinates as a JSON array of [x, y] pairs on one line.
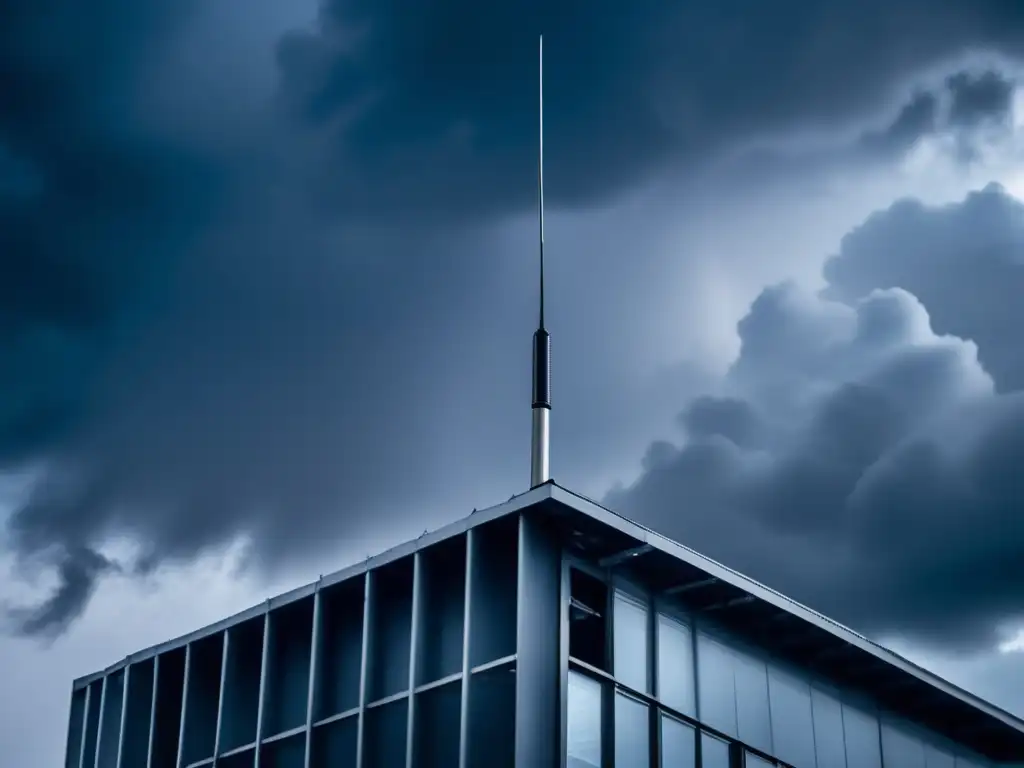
[[546, 631]]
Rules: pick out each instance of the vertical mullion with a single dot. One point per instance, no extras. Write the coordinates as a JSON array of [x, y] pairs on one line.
[[152, 712], [225, 651], [364, 663], [261, 700], [99, 723], [180, 762], [467, 598], [124, 712], [85, 725], [694, 629], [417, 587], [314, 661], [653, 684], [520, 613], [563, 660], [608, 691]]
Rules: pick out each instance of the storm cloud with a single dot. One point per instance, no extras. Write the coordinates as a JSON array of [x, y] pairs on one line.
[[249, 290], [859, 456]]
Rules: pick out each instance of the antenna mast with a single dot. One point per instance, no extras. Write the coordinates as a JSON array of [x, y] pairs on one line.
[[539, 464]]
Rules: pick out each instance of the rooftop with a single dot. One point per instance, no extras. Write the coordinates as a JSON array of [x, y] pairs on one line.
[[769, 619]]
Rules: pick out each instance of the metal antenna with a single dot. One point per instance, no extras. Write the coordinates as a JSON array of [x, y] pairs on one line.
[[539, 464]]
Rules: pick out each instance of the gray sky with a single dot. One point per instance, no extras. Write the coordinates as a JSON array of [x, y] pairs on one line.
[[266, 280]]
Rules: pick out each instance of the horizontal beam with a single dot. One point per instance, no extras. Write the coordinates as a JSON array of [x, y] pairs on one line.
[[690, 586]]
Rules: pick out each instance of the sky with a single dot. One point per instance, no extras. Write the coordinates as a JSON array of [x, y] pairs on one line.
[[268, 281]]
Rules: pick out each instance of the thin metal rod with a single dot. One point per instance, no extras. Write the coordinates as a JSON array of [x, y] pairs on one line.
[[182, 722], [85, 726], [124, 713], [225, 658], [152, 712], [261, 706], [540, 171], [314, 669], [99, 725]]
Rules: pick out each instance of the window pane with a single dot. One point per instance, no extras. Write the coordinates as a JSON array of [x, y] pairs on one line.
[[630, 642], [901, 748], [862, 746], [632, 733], [829, 742], [675, 665], [583, 727], [678, 744], [717, 689], [753, 761], [753, 721], [792, 725], [714, 752]]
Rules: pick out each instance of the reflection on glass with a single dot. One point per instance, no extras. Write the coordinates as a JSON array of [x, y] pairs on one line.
[[675, 665], [583, 726], [717, 688], [753, 761], [901, 748], [630, 642], [863, 749], [829, 743], [714, 752], [753, 720], [792, 724], [632, 733], [678, 744]]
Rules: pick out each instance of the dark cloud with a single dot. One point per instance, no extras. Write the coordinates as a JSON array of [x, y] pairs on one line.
[[964, 261], [205, 335], [965, 105], [78, 569], [434, 110], [858, 459]]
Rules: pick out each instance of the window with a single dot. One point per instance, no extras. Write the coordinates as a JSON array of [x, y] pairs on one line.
[[587, 619], [678, 744], [862, 744], [750, 760], [632, 733], [583, 736], [630, 642], [753, 720], [675, 665], [792, 724], [714, 752], [829, 742], [717, 686]]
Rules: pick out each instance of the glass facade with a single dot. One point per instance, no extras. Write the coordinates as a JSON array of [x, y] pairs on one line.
[[710, 700]]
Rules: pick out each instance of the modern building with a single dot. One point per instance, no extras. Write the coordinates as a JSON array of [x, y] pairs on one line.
[[545, 632]]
